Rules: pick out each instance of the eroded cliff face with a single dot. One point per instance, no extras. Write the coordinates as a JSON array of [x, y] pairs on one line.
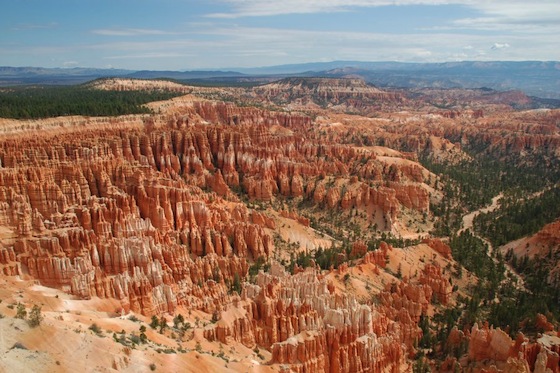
[[309, 327], [528, 138], [543, 246], [487, 343], [309, 324], [142, 210], [340, 95], [152, 211]]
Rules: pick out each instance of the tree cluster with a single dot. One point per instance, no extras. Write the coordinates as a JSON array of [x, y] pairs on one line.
[[518, 218], [45, 102]]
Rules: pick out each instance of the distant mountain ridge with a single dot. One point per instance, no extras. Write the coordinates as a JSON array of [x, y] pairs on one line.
[[10, 76], [535, 78], [39, 75], [183, 75], [8, 71], [541, 79]]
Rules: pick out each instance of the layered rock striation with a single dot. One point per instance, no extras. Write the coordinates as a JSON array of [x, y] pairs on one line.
[[145, 209], [309, 327]]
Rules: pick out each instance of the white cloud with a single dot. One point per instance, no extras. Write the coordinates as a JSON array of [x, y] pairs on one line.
[[148, 55], [467, 30], [269, 46], [422, 53], [499, 46], [253, 8], [130, 32], [70, 63], [35, 26], [514, 16], [539, 10]]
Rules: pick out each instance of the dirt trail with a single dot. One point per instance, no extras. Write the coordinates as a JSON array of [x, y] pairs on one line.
[[469, 218], [468, 225]]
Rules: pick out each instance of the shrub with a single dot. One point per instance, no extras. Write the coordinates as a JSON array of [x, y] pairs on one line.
[[135, 339], [162, 324], [178, 320], [95, 328], [35, 317], [21, 313], [155, 322]]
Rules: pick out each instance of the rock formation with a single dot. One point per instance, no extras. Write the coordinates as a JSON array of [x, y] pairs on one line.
[[120, 208], [496, 345], [310, 328], [165, 211]]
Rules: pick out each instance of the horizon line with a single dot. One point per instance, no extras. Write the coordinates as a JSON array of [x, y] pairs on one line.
[[233, 69]]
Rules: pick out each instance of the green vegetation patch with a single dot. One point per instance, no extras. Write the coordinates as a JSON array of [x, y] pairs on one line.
[[46, 102], [517, 218]]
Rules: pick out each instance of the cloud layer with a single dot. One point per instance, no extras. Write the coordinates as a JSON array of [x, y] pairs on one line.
[[197, 34], [506, 10]]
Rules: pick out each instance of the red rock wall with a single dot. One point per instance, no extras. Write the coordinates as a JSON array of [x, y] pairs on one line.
[[146, 212], [310, 329]]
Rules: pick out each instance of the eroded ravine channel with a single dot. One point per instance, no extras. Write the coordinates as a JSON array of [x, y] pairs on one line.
[[468, 220]]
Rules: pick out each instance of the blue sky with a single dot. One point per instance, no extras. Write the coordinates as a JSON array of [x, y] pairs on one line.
[[193, 34]]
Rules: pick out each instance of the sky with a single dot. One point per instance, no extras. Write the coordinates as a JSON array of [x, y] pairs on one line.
[[218, 34]]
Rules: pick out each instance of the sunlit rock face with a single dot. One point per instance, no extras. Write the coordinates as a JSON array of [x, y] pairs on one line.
[[141, 208], [160, 213]]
